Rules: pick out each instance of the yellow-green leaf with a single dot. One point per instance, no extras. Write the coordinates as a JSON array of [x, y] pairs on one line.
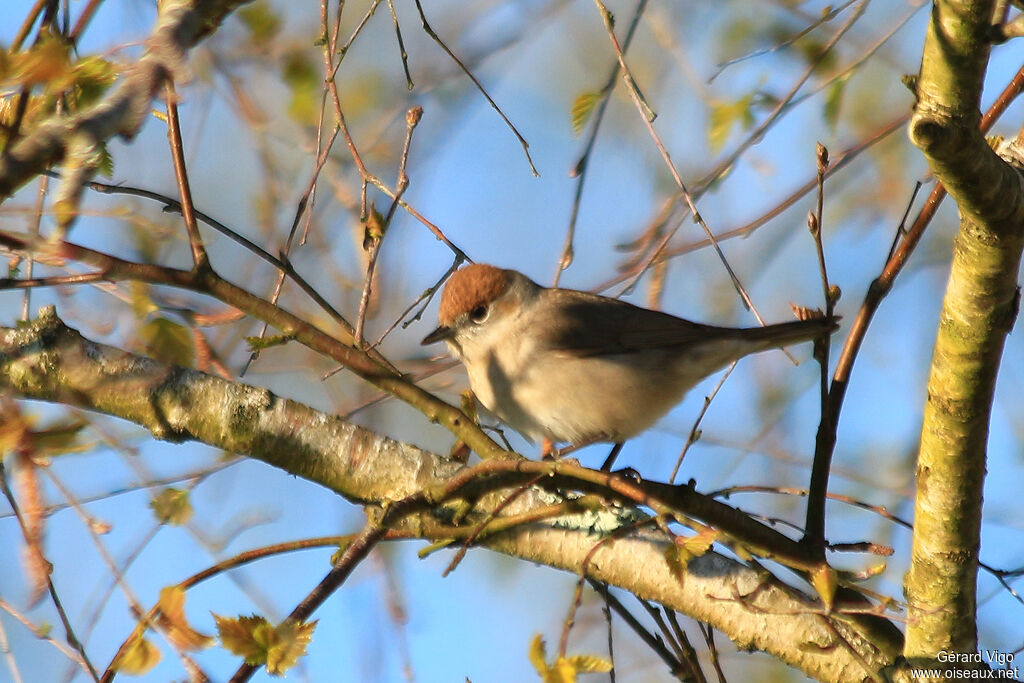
[[699, 544], [142, 305], [825, 581], [44, 62], [290, 641], [538, 654], [373, 229], [833, 102], [304, 81], [263, 23], [590, 664], [138, 658], [168, 341], [677, 558], [725, 116], [238, 637], [60, 437], [174, 623], [172, 506], [260, 343], [582, 108]]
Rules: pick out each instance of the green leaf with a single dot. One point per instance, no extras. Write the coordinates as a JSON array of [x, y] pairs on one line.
[[238, 637], [263, 23], [833, 102], [142, 305], [91, 78], [725, 116], [290, 641], [582, 108], [261, 643], [304, 81], [168, 341], [106, 168], [172, 506], [60, 437]]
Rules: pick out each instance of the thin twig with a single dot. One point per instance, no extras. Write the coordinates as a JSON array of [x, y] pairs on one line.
[[695, 430], [401, 46], [375, 233], [83, 20], [677, 668], [479, 86], [648, 117], [12, 662], [26, 26], [37, 219], [199, 258], [42, 633], [583, 164], [819, 21], [69, 631]]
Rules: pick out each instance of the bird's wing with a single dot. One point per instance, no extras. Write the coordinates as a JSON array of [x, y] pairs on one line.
[[592, 325]]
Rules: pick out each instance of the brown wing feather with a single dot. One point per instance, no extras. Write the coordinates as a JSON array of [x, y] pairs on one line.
[[591, 325]]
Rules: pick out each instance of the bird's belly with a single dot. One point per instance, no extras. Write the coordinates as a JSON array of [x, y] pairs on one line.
[[576, 400]]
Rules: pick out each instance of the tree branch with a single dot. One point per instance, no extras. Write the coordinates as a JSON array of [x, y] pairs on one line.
[[48, 361], [978, 311]]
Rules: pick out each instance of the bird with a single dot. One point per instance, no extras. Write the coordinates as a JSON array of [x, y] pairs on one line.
[[567, 366]]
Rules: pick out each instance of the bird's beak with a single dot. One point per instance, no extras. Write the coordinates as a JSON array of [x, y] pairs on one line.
[[442, 333]]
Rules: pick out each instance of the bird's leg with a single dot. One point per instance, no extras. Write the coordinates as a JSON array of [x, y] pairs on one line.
[[547, 450], [610, 460]]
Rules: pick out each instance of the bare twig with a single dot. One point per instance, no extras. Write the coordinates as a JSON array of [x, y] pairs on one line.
[[479, 86], [583, 164], [69, 631], [195, 240]]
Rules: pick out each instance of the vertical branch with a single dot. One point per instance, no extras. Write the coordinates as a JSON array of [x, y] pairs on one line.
[[814, 529], [881, 286], [377, 227], [200, 261]]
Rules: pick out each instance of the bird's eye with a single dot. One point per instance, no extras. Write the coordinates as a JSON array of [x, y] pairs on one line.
[[479, 314]]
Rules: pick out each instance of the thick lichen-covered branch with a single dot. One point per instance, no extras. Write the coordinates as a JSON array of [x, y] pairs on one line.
[[48, 361], [978, 310]]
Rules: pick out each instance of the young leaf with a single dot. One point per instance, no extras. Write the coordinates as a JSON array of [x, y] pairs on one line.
[[833, 102], [174, 624], [238, 637], [590, 664], [825, 581], [291, 639], [538, 654], [138, 658], [168, 341], [582, 108], [171, 506], [699, 544]]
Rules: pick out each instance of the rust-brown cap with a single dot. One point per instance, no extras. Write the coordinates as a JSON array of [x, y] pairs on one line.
[[467, 288]]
